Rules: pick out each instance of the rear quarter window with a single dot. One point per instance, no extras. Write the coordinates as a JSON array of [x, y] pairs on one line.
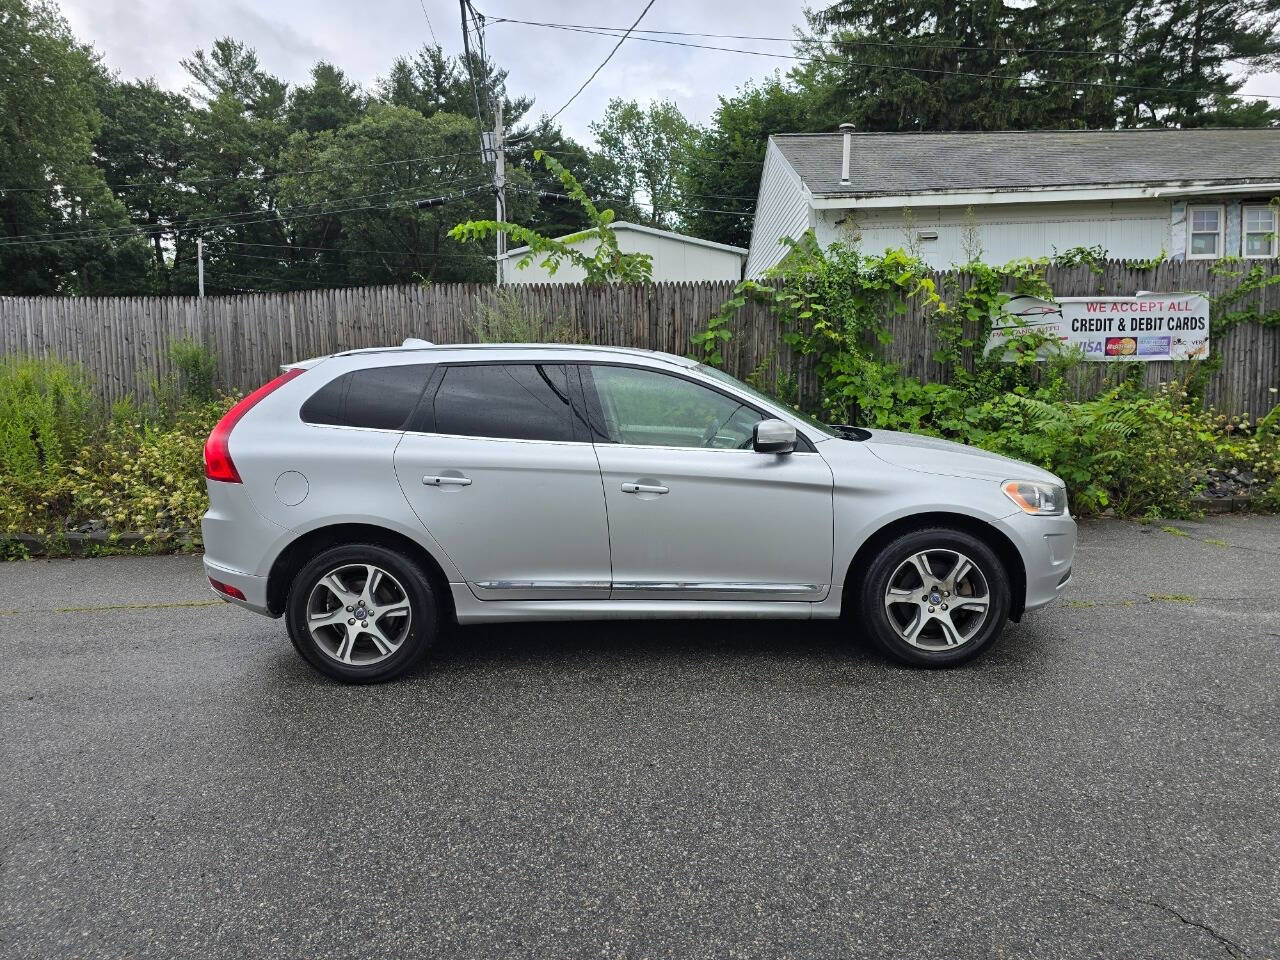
[[377, 398]]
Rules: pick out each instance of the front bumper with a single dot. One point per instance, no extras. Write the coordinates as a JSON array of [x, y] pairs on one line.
[[1047, 546]]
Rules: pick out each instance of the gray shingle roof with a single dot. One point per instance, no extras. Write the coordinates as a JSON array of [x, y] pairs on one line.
[[896, 163]]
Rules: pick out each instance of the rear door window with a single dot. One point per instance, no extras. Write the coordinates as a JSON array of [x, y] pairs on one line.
[[378, 398], [510, 401]]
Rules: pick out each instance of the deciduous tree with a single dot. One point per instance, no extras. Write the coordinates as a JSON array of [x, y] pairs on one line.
[[642, 149], [723, 172], [61, 229]]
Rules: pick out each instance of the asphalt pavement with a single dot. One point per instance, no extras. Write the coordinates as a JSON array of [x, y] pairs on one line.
[[175, 782]]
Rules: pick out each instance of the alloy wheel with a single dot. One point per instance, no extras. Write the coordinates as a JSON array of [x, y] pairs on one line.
[[358, 614], [937, 600]]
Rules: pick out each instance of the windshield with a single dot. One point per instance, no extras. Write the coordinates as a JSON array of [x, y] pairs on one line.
[[737, 384]]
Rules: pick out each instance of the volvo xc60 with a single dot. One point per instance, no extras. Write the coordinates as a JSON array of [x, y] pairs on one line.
[[371, 496]]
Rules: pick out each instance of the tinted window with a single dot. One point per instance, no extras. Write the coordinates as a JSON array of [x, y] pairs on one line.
[[654, 409], [514, 401], [377, 397]]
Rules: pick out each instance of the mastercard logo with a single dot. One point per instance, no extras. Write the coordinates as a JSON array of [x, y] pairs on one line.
[[1122, 346]]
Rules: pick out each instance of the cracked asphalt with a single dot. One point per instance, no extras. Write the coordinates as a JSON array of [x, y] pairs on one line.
[[174, 781]]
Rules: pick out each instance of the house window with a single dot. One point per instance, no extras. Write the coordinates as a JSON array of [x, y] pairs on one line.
[[1259, 231], [1205, 225]]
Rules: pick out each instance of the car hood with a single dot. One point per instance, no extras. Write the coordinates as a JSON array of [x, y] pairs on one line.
[[931, 455]]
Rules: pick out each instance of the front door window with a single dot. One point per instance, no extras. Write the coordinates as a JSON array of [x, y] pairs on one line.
[[647, 408]]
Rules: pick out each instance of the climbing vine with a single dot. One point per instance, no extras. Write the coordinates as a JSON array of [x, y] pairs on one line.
[[1135, 450], [834, 305], [1222, 316]]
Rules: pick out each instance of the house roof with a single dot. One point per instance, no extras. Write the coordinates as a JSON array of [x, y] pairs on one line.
[[625, 226], [905, 163]]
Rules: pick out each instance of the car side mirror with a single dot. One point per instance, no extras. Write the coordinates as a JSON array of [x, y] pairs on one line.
[[773, 436]]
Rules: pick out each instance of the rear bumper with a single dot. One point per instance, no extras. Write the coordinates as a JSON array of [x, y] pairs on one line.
[[238, 545], [1047, 546], [254, 588]]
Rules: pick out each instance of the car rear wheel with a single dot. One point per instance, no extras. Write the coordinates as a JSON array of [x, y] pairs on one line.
[[935, 597], [361, 613]]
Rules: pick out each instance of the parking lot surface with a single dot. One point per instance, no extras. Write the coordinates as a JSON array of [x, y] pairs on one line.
[[174, 781]]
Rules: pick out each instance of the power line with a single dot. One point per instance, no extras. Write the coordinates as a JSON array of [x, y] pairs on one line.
[[210, 222], [1019, 81], [343, 250], [465, 6], [687, 152], [844, 40], [429, 26], [259, 176], [699, 196], [552, 195], [597, 70], [253, 276], [139, 233]]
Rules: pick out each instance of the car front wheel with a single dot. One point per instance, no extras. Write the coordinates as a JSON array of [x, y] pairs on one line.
[[361, 613], [935, 597]]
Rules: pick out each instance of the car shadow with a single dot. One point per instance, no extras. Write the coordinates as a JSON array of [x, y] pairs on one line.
[[684, 642], [829, 653], [676, 641]]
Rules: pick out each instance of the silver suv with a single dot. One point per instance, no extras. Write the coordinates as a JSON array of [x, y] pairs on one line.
[[372, 496]]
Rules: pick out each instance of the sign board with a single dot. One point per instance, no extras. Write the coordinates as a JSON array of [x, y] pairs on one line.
[[1148, 326]]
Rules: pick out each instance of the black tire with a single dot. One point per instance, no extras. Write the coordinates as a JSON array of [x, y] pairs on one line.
[[872, 612], [415, 637]]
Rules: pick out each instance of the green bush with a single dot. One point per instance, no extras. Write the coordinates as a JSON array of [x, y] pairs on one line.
[[1139, 452], [147, 477], [63, 465]]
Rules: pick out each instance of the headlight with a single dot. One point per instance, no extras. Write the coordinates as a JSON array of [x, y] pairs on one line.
[[1038, 499]]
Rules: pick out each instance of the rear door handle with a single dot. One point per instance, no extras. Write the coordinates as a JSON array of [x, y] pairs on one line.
[[447, 481], [644, 488]]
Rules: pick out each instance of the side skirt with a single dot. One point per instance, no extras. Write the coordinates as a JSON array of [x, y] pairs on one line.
[[471, 610]]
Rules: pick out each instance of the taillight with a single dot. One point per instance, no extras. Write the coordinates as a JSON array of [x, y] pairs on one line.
[[217, 458]]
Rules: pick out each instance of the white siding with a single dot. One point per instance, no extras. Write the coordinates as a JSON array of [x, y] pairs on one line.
[[782, 210], [1129, 229], [675, 258]]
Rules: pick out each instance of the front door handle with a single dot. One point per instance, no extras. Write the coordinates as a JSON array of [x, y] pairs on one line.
[[447, 481], [645, 488]]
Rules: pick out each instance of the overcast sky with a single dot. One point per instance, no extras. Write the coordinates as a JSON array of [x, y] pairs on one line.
[[147, 38]]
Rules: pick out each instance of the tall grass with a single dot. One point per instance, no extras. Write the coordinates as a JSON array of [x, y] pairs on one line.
[[47, 412]]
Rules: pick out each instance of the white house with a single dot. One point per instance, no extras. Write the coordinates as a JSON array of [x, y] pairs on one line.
[[675, 257], [1199, 194]]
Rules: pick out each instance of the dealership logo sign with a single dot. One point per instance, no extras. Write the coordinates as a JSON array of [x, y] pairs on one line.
[[1149, 326]]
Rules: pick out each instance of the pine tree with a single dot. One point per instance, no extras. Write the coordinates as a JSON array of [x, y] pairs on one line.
[[934, 65]]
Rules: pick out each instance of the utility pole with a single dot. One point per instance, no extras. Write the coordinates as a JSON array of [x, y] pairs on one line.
[[200, 265], [499, 182]]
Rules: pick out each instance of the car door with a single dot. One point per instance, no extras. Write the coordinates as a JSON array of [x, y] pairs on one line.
[[694, 511], [497, 469]]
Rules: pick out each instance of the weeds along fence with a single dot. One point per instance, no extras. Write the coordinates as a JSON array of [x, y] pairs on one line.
[[125, 342]]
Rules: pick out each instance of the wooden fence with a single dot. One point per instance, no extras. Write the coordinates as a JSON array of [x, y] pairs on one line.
[[124, 342]]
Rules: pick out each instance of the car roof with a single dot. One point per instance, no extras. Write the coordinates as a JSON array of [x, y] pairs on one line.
[[511, 351]]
